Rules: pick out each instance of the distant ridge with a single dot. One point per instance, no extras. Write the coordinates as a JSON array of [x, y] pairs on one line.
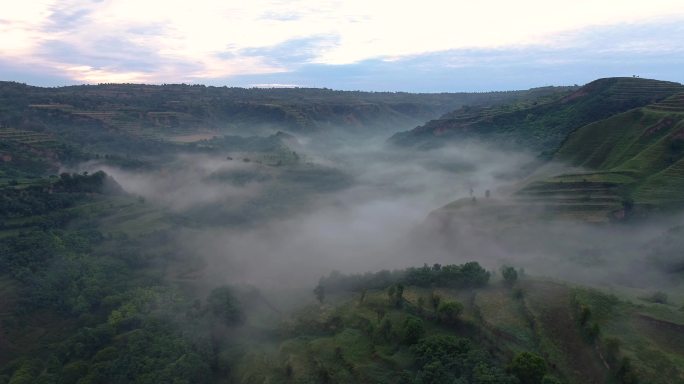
[[163, 112]]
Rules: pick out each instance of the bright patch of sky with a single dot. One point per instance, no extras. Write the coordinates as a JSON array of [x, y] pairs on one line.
[[429, 46]]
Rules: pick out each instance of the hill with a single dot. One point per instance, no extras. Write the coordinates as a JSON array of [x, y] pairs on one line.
[[629, 163], [540, 125], [380, 328]]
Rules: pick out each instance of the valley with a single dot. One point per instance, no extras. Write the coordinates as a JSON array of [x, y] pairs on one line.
[[192, 234]]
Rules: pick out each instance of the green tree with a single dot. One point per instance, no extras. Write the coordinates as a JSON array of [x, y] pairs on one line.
[[510, 275], [550, 380], [390, 292], [27, 372], [528, 367], [412, 330], [224, 305], [384, 330], [435, 299], [449, 311]]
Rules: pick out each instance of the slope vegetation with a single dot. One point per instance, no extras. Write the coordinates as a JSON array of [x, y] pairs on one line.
[[371, 330], [641, 150], [544, 124], [163, 112], [630, 163]]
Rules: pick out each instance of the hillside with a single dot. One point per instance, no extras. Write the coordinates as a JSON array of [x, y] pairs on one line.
[[541, 125], [376, 328], [113, 113], [628, 163]]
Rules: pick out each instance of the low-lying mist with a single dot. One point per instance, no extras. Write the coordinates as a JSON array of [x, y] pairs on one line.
[[372, 214]]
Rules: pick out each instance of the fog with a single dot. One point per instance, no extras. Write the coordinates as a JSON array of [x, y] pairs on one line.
[[380, 218]]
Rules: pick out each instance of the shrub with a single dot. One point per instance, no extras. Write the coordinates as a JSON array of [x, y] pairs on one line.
[[528, 367], [449, 311], [510, 275], [658, 297], [224, 305], [412, 330]]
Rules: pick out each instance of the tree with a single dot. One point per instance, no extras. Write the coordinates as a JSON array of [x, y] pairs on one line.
[[224, 305], [384, 330], [528, 367], [319, 291], [26, 373], [412, 330], [395, 293], [510, 275], [550, 380], [399, 295], [658, 297], [421, 302], [449, 311], [435, 299], [390, 292]]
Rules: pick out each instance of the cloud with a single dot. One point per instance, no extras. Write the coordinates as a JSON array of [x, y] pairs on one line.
[[646, 49], [273, 85], [133, 40]]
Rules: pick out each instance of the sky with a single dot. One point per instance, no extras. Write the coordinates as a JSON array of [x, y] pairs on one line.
[[416, 46]]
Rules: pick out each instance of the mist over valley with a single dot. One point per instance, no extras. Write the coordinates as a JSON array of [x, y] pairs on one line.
[[305, 235]]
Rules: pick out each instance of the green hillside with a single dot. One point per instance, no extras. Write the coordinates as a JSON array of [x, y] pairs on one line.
[[631, 163], [544, 124], [643, 150], [192, 112], [372, 329]]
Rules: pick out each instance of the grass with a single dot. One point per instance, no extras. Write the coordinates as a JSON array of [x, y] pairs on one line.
[[651, 335], [637, 151], [505, 317]]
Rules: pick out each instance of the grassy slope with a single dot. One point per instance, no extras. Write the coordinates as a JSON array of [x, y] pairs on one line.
[[335, 337], [632, 160], [643, 148], [542, 126], [649, 335]]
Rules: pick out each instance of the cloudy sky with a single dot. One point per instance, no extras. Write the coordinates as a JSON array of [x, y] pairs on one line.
[[426, 45]]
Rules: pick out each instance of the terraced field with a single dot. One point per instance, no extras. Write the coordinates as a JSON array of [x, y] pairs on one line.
[[26, 137], [671, 104], [629, 88], [151, 125], [642, 150], [564, 197]]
